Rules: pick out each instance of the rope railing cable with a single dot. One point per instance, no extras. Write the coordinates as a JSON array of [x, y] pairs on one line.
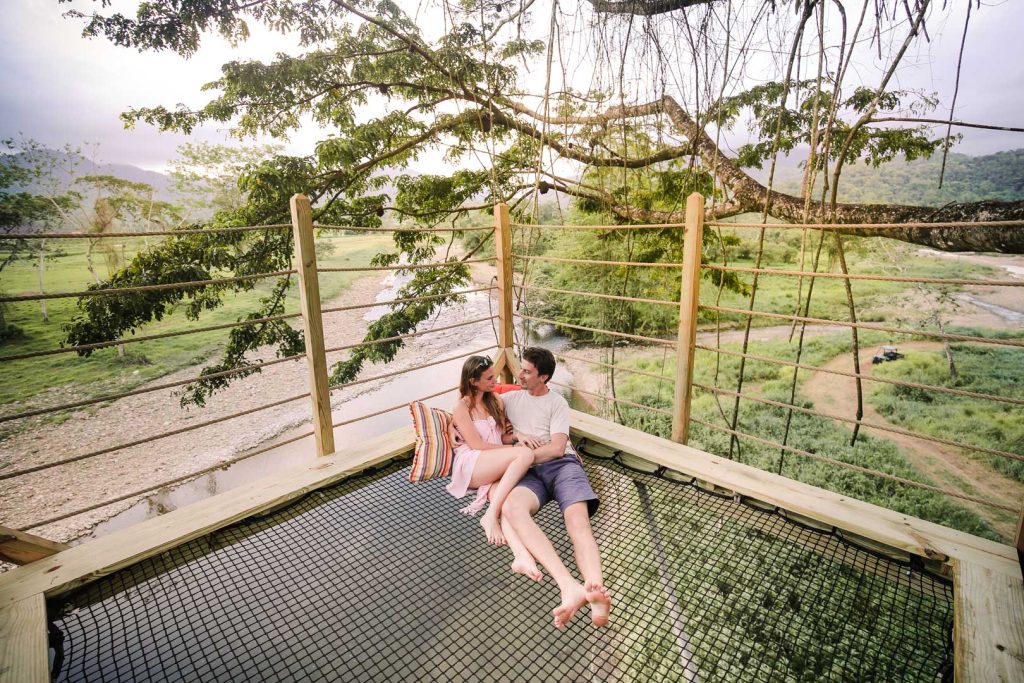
[[872, 278], [139, 233], [645, 226], [146, 390], [389, 302], [869, 226], [884, 380], [866, 326], [151, 337], [169, 482], [850, 420], [623, 335], [323, 226], [591, 262], [410, 266], [410, 335], [858, 468], [618, 368], [144, 288], [411, 368], [660, 411], [225, 326], [613, 297], [397, 406], [149, 439]]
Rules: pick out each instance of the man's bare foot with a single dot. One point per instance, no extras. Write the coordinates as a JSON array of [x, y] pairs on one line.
[[572, 599], [493, 529], [527, 568], [600, 603]]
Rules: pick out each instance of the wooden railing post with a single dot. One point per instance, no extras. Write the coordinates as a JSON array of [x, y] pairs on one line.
[[503, 244], [1018, 541], [309, 297], [693, 238]]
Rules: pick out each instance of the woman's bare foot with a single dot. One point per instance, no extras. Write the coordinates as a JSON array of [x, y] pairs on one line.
[[600, 603], [492, 528], [572, 599], [527, 568]]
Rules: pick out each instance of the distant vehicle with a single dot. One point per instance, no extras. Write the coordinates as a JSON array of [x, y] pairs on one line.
[[886, 354]]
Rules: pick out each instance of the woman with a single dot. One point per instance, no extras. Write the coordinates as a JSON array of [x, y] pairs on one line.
[[483, 462]]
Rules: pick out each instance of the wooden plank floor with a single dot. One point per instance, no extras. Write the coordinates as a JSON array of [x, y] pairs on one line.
[[988, 630]]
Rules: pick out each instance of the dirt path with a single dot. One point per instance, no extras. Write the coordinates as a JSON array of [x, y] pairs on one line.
[[942, 464]]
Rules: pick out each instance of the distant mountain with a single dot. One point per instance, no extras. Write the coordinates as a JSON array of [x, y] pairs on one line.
[[967, 179], [69, 166]]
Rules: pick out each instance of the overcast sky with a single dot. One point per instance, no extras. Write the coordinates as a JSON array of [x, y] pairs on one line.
[[59, 87]]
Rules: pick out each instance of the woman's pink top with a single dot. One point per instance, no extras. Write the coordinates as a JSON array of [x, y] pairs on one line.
[[466, 457]]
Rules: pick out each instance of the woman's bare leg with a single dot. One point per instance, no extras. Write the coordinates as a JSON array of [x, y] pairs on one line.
[[519, 459]]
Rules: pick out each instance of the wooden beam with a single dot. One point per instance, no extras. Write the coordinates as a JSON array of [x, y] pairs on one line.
[[309, 299], [503, 248], [878, 524], [689, 292], [513, 363], [988, 625], [24, 646], [87, 562], [1019, 541], [17, 547]]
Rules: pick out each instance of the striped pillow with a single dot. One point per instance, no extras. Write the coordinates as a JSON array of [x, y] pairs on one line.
[[433, 454]]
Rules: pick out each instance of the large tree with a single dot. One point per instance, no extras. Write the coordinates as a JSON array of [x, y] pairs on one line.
[[496, 88]]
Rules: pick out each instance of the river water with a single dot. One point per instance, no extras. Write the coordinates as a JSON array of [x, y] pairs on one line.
[[380, 395]]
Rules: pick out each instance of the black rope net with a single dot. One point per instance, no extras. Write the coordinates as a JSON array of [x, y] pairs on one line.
[[377, 579]]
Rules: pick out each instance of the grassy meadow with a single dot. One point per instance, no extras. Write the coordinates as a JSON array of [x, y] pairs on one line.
[[105, 371], [993, 370]]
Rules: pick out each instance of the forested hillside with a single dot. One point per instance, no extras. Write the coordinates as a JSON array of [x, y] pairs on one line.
[[967, 179]]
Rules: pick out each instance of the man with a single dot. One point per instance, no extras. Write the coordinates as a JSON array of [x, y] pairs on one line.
[[541, 420]]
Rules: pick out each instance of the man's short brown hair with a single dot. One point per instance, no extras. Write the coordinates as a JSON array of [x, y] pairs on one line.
[[542, 359]]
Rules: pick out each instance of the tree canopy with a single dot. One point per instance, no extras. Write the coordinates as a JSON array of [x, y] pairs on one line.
[[625, 106]]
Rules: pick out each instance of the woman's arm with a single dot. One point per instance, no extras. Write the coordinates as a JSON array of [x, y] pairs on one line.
[[551, 451], [464, 423]]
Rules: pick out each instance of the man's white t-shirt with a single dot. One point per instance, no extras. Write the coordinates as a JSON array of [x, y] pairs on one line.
[[538, 416]]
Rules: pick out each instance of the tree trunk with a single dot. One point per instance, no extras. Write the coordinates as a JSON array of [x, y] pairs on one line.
[[89, 264], [746, 194], [949, 359]]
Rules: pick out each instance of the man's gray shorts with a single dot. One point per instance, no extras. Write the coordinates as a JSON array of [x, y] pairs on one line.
[[563, 480]]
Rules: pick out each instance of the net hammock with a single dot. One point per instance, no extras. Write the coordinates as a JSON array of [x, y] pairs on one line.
[[378, 579]]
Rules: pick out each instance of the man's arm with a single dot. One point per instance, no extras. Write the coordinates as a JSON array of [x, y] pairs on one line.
[[551, 451]]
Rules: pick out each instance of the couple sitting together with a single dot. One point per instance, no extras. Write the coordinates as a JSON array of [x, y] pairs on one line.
[[514, 450]]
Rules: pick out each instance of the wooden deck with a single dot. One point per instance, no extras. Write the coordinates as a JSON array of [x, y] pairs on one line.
[[989, 591]]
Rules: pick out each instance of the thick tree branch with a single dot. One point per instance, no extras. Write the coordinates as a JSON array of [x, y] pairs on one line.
[[642, 8]]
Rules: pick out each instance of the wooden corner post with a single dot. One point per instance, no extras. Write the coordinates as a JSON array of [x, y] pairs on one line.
[[503, 245], [693, 239], [1018, 541], [309, 297]]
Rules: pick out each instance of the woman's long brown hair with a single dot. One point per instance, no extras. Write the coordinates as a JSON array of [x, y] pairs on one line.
[[471, 371]]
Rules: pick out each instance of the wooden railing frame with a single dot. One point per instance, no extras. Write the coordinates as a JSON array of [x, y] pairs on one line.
[[313, 324], [689, 299], [503, 248], [988, 588]]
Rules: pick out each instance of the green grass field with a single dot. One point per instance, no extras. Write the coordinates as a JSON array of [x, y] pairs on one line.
[[104, 372], [995, 370], [809, 433]]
